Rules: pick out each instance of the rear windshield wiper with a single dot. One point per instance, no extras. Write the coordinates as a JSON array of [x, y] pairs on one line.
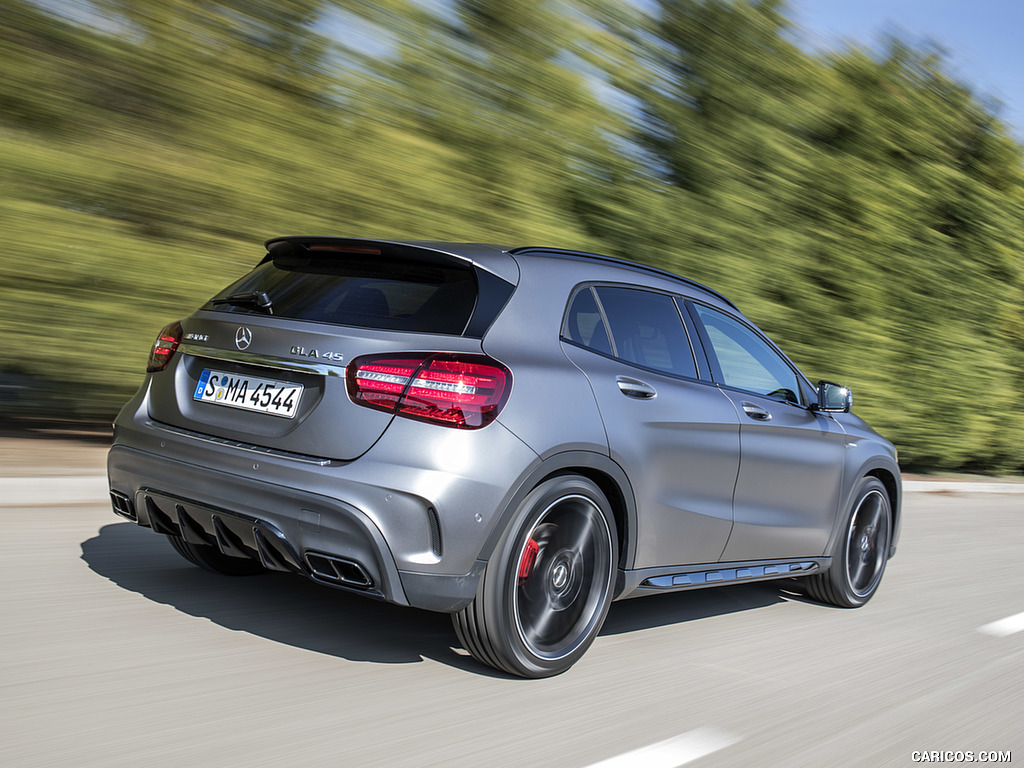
[[258, 299]]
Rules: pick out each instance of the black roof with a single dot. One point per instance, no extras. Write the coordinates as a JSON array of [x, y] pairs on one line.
[[637, 266]]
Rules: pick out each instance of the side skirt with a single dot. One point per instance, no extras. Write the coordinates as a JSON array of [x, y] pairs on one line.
[[649, 581]]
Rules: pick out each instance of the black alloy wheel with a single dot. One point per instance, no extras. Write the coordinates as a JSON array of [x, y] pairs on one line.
[[861, 552], [545, 593]]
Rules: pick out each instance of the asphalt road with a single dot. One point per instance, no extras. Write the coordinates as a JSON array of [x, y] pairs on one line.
[[116, 652]]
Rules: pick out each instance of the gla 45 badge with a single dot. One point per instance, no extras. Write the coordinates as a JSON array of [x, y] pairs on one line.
[[336, 357]]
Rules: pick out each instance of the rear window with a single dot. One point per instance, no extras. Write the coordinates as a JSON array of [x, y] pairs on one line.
[[367, 292]]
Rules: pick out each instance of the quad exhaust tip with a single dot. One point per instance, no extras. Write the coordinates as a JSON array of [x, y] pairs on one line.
[[338, 570]]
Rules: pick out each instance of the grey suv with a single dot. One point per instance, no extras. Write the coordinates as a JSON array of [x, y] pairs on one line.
[[516, 437]]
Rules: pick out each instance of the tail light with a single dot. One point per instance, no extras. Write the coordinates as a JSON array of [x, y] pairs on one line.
[[463, 391], [164, 347]]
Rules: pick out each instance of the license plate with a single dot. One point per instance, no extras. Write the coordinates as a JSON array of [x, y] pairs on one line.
[[278, 398]]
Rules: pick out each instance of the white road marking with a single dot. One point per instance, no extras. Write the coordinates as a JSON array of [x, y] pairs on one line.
[[673, 752], [1004, 627]]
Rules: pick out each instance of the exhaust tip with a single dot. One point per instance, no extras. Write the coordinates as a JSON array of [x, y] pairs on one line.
[[123, 506], [338, 570]]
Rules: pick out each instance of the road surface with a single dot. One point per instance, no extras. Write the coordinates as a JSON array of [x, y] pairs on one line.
[[116, 652]]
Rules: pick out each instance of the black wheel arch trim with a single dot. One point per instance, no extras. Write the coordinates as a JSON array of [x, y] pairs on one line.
[[888, 474], [600, 469]]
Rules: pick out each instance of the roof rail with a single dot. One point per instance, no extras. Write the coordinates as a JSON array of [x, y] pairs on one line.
[[622, 263]]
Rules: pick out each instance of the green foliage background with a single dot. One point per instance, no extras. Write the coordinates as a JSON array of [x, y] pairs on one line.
[[861, 205]]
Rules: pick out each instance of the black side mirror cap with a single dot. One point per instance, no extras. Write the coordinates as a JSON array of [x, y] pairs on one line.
[[833, 398]]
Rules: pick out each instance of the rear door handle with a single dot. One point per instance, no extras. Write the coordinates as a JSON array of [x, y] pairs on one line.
[[756, 412], [635, 388]]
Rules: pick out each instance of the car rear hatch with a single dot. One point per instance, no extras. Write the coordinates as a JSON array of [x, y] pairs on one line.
[[264, 362]]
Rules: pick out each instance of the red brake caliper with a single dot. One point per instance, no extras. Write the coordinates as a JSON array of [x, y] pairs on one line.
[[529, 556]]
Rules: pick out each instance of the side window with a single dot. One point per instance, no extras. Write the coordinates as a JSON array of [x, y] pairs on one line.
[[643, 328], [584, 325], [745, 360]]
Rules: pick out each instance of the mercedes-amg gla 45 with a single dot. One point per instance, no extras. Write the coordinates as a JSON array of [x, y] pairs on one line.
[[516, 437]]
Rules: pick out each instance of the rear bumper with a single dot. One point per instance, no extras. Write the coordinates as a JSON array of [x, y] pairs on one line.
[[279, 527], [383, 526], [324, 539]]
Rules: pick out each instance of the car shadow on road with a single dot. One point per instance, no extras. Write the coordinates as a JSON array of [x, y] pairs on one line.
[[289, 609], [680, 607]]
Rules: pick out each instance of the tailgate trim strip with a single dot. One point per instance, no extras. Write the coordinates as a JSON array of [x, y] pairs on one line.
[[273, 452], [262, 361]]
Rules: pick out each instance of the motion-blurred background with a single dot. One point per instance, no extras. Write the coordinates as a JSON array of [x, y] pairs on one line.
[[863, 205]]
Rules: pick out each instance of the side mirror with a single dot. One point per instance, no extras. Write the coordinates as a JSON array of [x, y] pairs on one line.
[[833, 398]]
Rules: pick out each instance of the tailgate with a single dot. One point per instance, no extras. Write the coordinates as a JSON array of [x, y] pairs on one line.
[[270, 371]]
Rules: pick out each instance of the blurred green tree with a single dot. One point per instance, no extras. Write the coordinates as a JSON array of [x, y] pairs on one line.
[[863, 205]]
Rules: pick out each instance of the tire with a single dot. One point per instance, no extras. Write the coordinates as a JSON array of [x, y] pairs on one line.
[[212, 559], [860, 554], [546, 591]]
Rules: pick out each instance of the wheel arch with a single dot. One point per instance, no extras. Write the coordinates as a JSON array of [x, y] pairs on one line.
[[893, 489], [608, 476], [889, 476]]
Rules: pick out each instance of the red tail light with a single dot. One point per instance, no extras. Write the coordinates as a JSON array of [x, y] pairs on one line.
[[463, 391], [164, 347]]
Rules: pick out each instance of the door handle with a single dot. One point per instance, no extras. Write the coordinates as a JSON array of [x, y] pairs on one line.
[[756, 412], [635, 388]]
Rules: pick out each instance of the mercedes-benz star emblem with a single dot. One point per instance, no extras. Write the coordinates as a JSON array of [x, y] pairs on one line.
[[243, 337]]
